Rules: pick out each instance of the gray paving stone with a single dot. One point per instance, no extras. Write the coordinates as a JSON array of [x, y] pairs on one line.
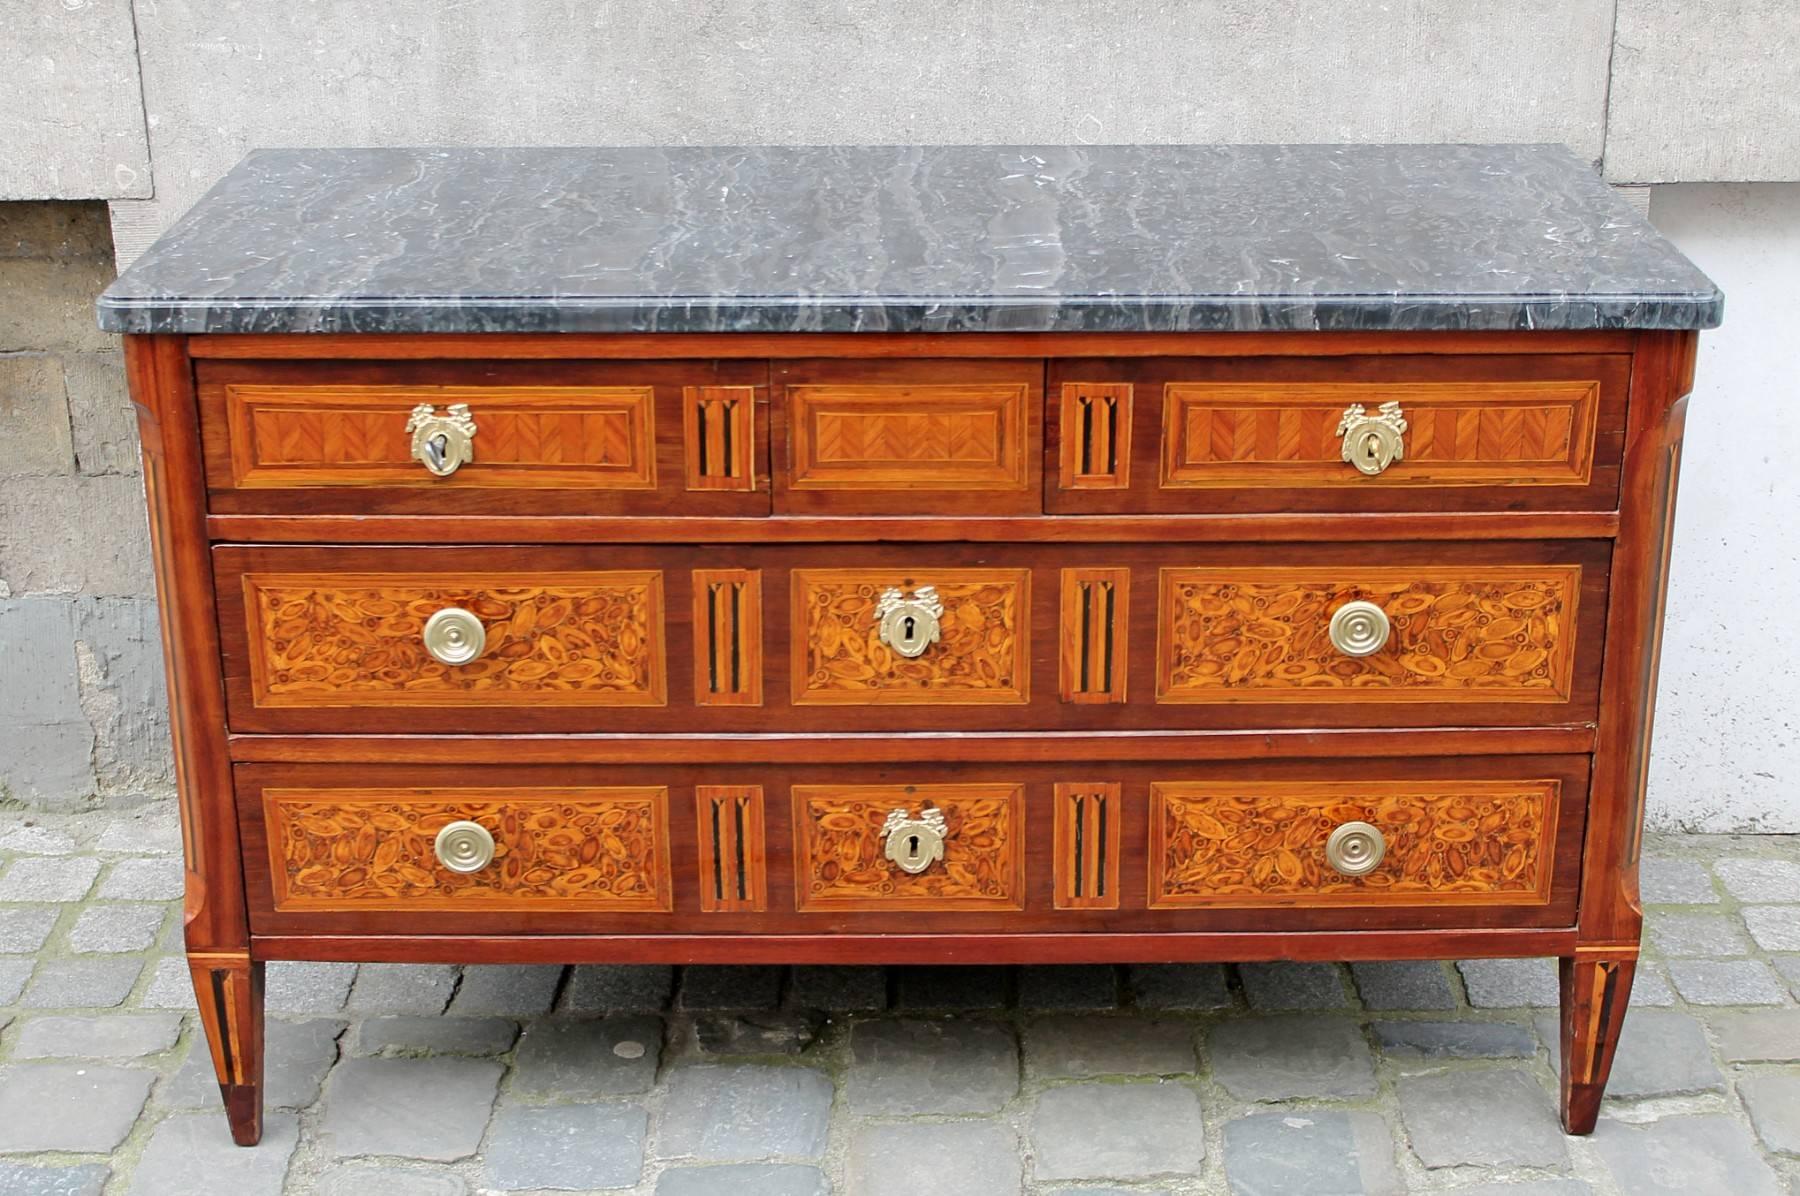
[[948, 1159], [420, 1108], [1179, 986], [1283, 1058], [1789, 967], [308, 987], [838, 989], [1725, 981], [81, 983], [24, 838], [147, 830], [49, 879], [1069, 986], [1661, 1053], [171, 986], [503, 990], [744, 1179], [296, 1057], [24, 930], [410, 1034], [899, 1068], [566, 1147], [1454, 1040], [1773, 1102], [952, 988], [1510, 983], [1132, 1191], [580, 1058], [1696, 935], [13, 975], [83, 1108], [117, 928], [1317, 1152], [192, 1154], [757, 1032], [363, 1179], [1758, 1036], [1287, 986], [729, 987], [618, 988], [1528, 1187], [1774, 927], [20, 1179], [1651, 986], [1413, 984], [1117, 1131], [744, 1112], [1671, 880], [145, 878], [1707, 1155], [402, 988], [1758, 880], [1074, 1047], [1493, 1117], [114, 1036]]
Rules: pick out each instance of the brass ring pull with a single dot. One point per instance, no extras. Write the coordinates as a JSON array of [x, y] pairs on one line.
[[1373, 442], [464, 847], [1355, 849], [453, 636], [909, 625], [1359, 629], [443, 443], [915, 844]]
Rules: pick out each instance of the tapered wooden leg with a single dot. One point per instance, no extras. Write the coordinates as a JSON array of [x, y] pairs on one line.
[[230, 990], [1594, 995]]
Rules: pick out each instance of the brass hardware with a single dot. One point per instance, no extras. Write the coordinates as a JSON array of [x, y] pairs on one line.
[[915, 844], [464, 847], [1355, 849], [1359, 628], [909, 625], [454, 636], [442, 443], [1373, 442]]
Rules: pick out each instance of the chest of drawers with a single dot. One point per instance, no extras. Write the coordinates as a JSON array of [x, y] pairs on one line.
[[1054, 588]]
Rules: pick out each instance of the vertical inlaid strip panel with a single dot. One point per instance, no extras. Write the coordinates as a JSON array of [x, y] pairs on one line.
[[1095, 618], [1096, 435], [1087, 846], [733, 862], [728, 637], [720, 423]]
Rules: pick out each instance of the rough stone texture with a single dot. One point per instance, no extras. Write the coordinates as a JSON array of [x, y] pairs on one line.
[[1117, 1131], [82, 1108], [1697, 935], [608, 1057], [1670, 880], [918, 1159], [363, 1179], [117, 928], [405, 1034], [1684, 1156], [402, 988], [899, 1068], [48, 879], [1756, 880], [1530, 1187], [744, 1112], [19, 1179], [1774, 1105], [618, 988], [505, 990], [1285, 986], [1069, 986], [119, 668], [1312, 1151], [958, 988], [1282, 1058], [171, 986], [1789, 967], [113, 1036], [1760, 1036], [775, 1032], [1774, 927], [1509, 983], [1454, 1040], [13, 974], [838, 989], [46, 742], [1661, 1053], [1074, 1047], [35, 410], [308, 987], [727, 987], [746, 1179], [1414, 984], [81, 983], [1493, 1117], [1725, 981], [192, 1154], [24, 930], [566, 1147], [1179, 986], [71, 113], [298, 1054], [422, 1108]]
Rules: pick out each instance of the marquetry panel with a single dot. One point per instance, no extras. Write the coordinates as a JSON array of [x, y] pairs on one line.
[[1096, 435], [1459, 634], [1095, 635], [592, 437], [1087, 846], [839, 848], [728, 637], [845, 436], [1284, 434], [981, 658], [720, 423], [553, 639], [1449, 842], [733, 859], [592, 849]]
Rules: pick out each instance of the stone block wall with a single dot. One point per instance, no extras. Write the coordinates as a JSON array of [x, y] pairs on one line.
[[83, 715]]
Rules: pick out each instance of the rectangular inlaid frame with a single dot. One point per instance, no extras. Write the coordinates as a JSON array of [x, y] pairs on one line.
[[733, 852], [728, 637]]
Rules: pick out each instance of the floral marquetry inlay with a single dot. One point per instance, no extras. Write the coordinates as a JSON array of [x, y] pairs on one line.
[[568, 639], [1263, 843], [840, 847], [602, 849], [1457, 634]]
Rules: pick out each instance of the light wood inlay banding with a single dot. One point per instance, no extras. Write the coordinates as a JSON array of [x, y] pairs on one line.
[[1096, 621], [720, 426], [1096, 435], [728, 637], [1087, 845], [733, 858]]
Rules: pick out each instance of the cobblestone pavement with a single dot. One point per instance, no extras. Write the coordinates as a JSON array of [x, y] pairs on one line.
[[1264, 1079]]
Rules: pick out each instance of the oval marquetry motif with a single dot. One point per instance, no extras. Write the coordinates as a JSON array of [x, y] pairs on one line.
[[576, 848], [1263, 843], [840, 842]]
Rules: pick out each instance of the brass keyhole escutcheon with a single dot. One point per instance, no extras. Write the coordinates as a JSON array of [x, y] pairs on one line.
[[443, 443], [909, 625], [914, 844], [1373, 442]]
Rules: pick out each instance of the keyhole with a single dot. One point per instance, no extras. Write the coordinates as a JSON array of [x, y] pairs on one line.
[[907, 632], [1372, 448], [436, 448], [912, 847]]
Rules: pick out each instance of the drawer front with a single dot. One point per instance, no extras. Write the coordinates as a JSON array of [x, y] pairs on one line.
[[502, 438], [904, 438], [1352, 434]]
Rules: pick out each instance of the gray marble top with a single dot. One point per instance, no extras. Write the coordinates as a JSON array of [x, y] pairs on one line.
[[910, 238]]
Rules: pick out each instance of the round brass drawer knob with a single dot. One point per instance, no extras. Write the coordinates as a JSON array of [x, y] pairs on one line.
[[454, 636], [464, 847], [1355, 849], [1359, 628]]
